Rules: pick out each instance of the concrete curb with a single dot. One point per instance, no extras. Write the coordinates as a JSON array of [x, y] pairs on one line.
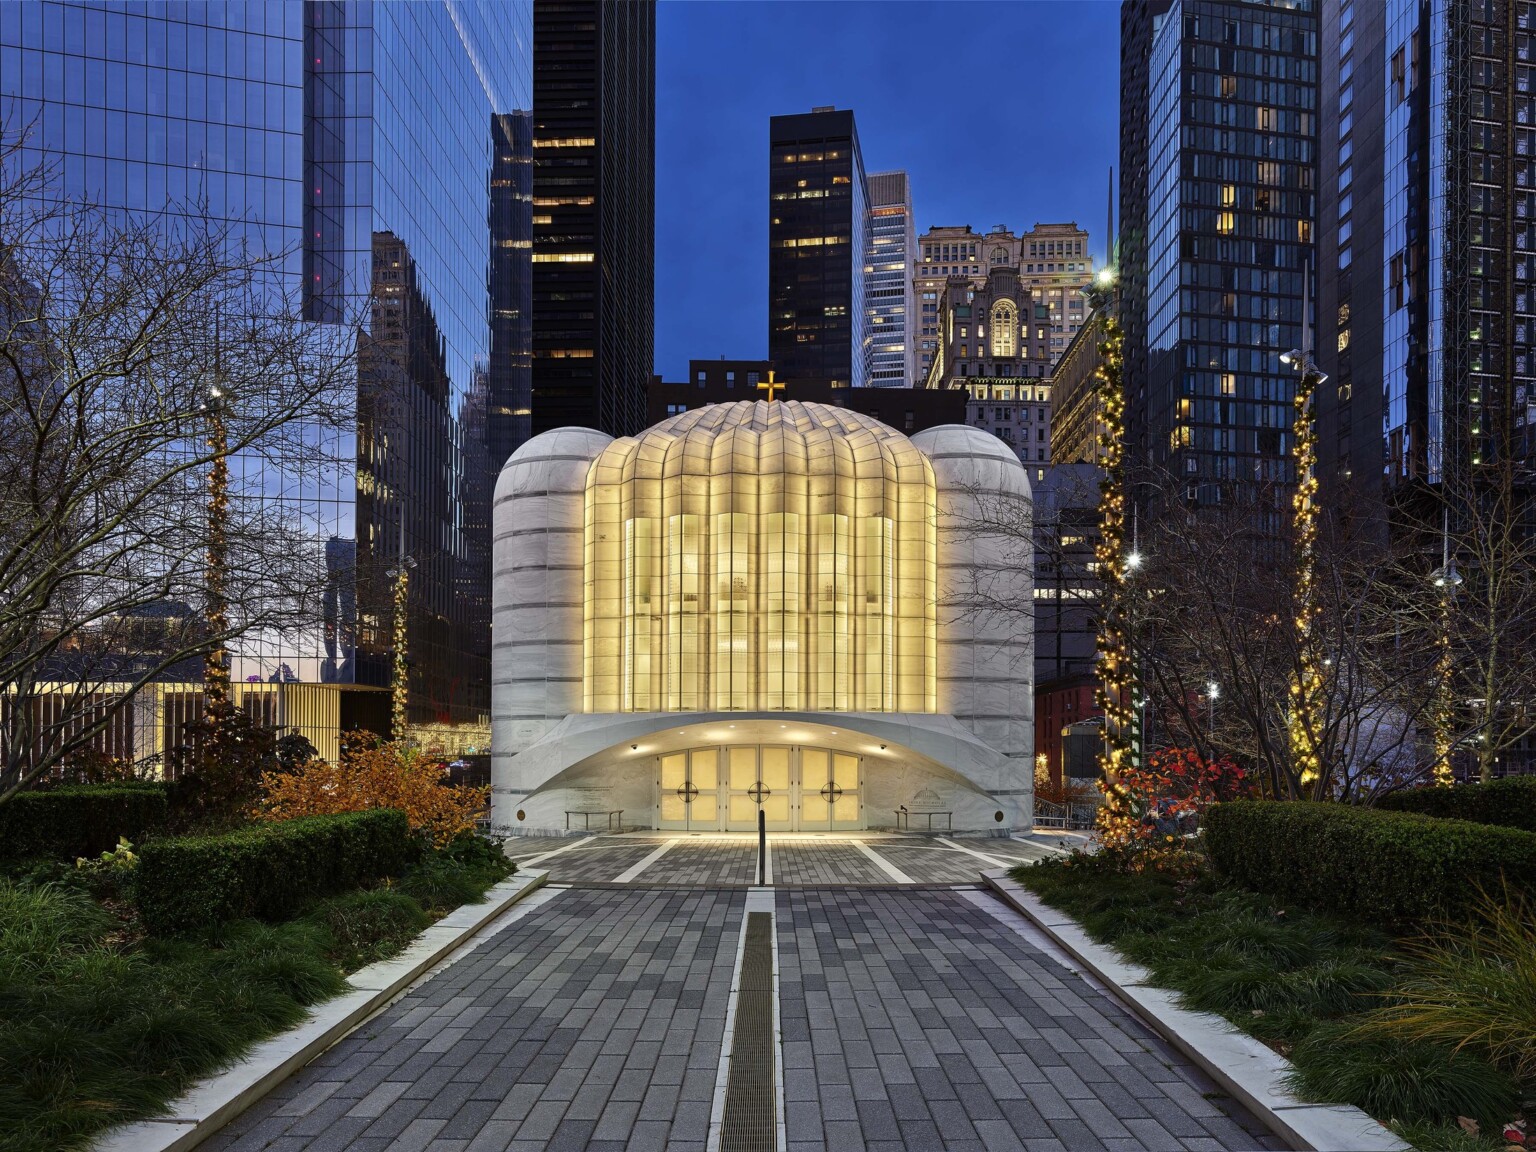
[[1245, 1068], [212, 1103]]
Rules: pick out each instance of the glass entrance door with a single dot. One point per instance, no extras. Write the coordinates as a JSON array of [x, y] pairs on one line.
[[689, 787], [759, 777], [829, 791]]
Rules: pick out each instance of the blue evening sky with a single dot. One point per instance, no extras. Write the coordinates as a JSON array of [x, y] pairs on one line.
[[1001, 113]]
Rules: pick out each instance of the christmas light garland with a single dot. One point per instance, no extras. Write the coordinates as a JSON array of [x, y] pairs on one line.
[[217, 690], [1114, 649], [400, 686], [1306, 691]]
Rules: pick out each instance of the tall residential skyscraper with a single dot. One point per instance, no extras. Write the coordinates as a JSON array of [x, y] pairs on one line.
[[357, 139], [818, 228], [594, 195], [1218, 106], [1427, 258], [888, 282]]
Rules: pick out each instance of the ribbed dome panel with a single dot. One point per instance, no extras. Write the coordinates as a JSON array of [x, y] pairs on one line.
[[758, 555]]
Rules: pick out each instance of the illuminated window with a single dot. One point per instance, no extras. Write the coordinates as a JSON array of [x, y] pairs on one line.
[[562, 257], [1228, 195], [1005, 319], [1228, 384], [781, 559], [1224, 223]]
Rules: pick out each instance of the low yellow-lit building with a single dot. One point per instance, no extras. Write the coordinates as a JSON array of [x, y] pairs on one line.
[[770, 605]]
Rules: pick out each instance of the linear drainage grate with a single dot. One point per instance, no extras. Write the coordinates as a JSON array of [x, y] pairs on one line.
[[749, 1123]]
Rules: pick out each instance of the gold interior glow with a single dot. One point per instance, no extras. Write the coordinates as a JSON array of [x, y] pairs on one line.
[[761, 556]]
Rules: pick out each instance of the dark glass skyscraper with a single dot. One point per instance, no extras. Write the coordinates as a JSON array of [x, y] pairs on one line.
[[1427, 251], [594, 149], [1218, 172], [510, 383], [818, 238], [356, 139]]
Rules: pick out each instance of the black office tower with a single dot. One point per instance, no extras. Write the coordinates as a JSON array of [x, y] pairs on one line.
[[818, 229], [594, 148], [1218, 167], [509, 417]]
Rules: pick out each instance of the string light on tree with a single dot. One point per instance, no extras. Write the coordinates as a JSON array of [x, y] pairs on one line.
[[1307, 688], [217, 691], [1114, 566], [400, 679], [1443, 717]]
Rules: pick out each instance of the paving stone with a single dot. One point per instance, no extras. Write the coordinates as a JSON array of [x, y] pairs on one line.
[[910, 1019]]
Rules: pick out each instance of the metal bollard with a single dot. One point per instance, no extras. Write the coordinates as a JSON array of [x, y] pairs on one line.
[[762, 848]]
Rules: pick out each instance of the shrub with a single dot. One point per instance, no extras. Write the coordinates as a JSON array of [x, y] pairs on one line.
[[1472, 985], [369, 926], [1153, 806], [459, 874], [220, 767], [268, 871], [79, 820], [1390, 868], [1510, 802], [377, 775]]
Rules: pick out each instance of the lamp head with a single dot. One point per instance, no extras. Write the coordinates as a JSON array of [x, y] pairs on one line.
[[1292, 357]]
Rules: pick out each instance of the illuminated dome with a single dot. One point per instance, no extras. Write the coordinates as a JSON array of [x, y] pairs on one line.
[[761, 556], [761, 608]]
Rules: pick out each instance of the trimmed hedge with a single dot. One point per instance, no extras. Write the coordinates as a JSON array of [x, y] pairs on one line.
[[1392, 868], [80, 819], [267, 871], [1510, 802]]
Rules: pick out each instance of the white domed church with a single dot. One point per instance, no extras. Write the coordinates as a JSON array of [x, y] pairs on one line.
[[760, 606]]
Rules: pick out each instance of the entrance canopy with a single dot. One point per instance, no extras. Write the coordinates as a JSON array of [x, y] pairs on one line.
[[874, 763]]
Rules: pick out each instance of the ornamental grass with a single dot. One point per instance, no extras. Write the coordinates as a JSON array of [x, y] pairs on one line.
[[1471, 985]]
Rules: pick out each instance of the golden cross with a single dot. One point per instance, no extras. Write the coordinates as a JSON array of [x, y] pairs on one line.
[[770, 386]]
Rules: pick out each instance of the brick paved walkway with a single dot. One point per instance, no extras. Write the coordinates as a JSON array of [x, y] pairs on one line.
[[911, 1019], [712, 861]]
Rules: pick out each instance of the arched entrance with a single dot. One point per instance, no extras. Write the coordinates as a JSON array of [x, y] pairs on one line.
[[721, 788]]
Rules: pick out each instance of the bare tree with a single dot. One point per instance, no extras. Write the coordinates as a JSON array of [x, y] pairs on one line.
[[1480, 534], [1214, 633], [117, 332]]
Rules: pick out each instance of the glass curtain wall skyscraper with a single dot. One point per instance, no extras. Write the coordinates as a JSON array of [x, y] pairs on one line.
[[818, 238], [888, 275], [594, 149], [1427, 247], [356, 139], [1217, 186]]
